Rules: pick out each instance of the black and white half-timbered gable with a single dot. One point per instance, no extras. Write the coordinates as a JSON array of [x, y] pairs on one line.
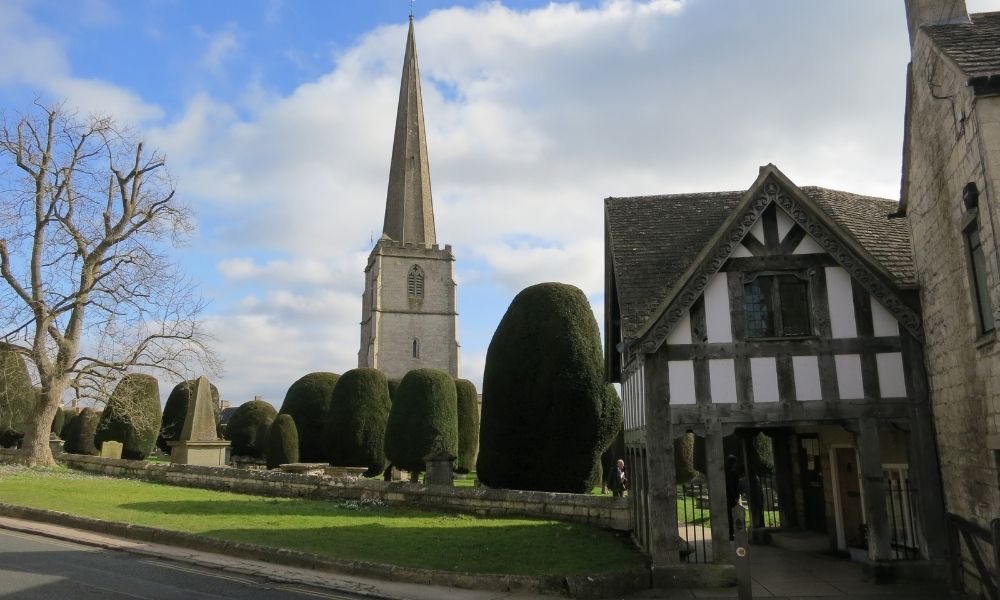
[[780, 326]]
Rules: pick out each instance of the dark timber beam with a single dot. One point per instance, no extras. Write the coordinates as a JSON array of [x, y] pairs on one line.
[[661, 489], [876, 515]]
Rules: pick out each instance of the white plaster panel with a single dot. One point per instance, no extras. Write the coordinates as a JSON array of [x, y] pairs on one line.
[[849, 376], [808, 246], [717, 309], [785, 223], [681, 333], [758, 230], [722, 372], [806, 371], [891, 382], [883, 323], [764, 373], [741, 252], [681, 381], [841, 301]]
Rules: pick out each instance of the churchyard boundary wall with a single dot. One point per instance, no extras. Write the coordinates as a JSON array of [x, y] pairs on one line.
[[600, 511]]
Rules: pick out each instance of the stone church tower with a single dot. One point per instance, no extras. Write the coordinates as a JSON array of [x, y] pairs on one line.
[[408, 315]]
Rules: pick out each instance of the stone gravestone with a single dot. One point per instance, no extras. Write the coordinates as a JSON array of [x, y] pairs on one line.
[[198, 443], [111, 449], [439, 465]]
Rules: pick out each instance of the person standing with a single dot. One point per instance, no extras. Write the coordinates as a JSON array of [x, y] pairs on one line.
[[617, 482]]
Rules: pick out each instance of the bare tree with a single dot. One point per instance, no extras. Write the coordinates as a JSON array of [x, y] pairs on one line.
[[88, 291]]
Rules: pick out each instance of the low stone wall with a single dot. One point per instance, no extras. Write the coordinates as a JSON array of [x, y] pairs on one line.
[[601, 511]]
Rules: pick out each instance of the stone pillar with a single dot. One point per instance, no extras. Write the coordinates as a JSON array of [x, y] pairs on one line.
[[876, 516], [662, 489], [715, 467]]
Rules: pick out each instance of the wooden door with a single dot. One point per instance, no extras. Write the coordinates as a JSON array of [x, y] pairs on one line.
[[811, 470], [850, 498]]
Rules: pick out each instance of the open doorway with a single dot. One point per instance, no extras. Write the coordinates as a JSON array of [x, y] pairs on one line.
[[811, 471]]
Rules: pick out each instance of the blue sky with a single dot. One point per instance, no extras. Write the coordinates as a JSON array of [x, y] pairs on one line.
[[276, 117]]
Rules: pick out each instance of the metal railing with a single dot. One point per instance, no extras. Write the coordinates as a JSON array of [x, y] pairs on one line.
[[975, 554], [694, 523], [901, 506]]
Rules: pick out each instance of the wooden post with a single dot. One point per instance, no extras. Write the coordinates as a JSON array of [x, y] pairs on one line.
[[925, 469], [876, 515], [715, 465], [661, 487]]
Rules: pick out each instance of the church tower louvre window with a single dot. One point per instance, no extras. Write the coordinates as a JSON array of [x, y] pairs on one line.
[[415, 282], [405, 323]]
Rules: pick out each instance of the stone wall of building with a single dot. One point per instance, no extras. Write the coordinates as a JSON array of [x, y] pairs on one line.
[[954, 139], [600, 511], [393, 319]]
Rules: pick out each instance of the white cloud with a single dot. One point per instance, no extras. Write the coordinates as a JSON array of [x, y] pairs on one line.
[[36, 58], [222, 46]]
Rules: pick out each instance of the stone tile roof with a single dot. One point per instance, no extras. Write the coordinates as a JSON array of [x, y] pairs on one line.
[[654, 239], [975, 46]]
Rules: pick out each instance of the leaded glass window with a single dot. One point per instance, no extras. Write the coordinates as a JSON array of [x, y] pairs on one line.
[[777, 306]]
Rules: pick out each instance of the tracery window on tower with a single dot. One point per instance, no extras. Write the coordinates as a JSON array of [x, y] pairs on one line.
[[415, 282]]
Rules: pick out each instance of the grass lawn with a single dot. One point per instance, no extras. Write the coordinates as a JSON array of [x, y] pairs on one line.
[[349, 530]]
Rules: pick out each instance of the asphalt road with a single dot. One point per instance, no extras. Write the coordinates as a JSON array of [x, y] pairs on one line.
[[36, 568]]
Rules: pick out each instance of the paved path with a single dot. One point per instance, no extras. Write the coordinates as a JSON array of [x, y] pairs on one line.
[[790, 575]]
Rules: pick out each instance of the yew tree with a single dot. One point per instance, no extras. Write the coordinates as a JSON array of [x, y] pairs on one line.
[[88, 290]]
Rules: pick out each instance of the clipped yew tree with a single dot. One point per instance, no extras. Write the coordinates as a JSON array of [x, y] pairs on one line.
[[248, 427], [282, 442], [59, 421], [79, 432], [547, 413], [17, 396], [175, 411], [307, 401], [355, 429], [468, 425], [423, 414], [132, 416]]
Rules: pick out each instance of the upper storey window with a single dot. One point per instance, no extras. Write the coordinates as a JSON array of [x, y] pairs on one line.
[[777, 306], [415, 282], [980, 288]]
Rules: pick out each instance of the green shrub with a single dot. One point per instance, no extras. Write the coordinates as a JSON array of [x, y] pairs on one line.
[[248, 427], [282, 442], [684, 463], [18, 399], [468, 425], [59, 421], [763, 453], [393, 386], [547, 414], [175, 411], [308, 402], [132, 416], [80, 430], [355, 429], [422, 416]]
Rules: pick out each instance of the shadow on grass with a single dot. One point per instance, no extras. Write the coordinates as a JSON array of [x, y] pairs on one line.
[[508, 550], [273, 508]]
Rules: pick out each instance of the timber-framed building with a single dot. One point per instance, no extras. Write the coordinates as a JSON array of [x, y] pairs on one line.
[[783, 310]]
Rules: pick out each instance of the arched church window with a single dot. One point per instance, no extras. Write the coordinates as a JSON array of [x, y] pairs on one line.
[[415, 282], [416, 348]]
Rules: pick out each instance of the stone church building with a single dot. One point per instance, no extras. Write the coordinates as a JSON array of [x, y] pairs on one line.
[[409, 316]]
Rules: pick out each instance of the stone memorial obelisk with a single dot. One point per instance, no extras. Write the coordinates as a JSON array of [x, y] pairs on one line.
[[198, 443]]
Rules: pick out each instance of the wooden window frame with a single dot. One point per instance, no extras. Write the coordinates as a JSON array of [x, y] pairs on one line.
[[774, 303]]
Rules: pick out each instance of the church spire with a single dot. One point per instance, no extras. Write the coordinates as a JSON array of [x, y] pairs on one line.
[[409, 209]]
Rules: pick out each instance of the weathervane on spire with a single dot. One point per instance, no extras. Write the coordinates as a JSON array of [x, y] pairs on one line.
[[411, 8]]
